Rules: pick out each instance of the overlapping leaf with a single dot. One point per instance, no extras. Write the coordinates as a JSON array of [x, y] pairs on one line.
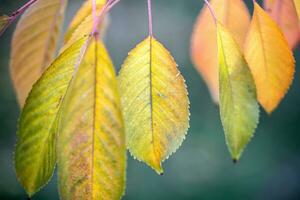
[[34, 44], [155, 103], [35, 155], [235, 17], [91, 144], [238, 105], [4, 20], [285, 15], [82, 23], [270, 59]]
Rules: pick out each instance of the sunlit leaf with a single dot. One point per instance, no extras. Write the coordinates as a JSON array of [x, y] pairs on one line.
[[34, 44], [4, 20], [35, 155], [285, 15], [234, 15], [270, 59], [155, 103], [238, 105], [297, 5], [82, 23], [91, 143]]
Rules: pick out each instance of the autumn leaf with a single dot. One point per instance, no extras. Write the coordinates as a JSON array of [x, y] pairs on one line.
[[270, 59], [238, 105], [92, 158], [297, 5], [155, 103], [82, 23], [4, 20], [34, 44], [285, 15], [35, 155], [204, 38]]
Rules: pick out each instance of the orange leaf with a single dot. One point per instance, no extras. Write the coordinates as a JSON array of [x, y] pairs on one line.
[[234, 15], [270, 59], [284, 13]]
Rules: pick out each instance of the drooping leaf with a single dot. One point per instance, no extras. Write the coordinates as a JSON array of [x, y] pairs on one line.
[[297, 5], [34, 44], [35, 155], [155, 103], [82, 23], [285, 15], [270, 59], [91, 143], [234, 15], [238, 105], [4, 20]]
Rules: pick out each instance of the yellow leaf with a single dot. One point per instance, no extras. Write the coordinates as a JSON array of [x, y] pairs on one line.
[[4, 20], [234, 15], [285, 15], [82, 22], [155, 103], [91, 142], [238, 105], [297, 5], [35, 155], [34, 44], [270, 59]]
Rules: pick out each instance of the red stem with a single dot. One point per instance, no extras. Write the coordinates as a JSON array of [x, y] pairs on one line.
[[98, 19], [211, 11], [150, 18], [17, 13]]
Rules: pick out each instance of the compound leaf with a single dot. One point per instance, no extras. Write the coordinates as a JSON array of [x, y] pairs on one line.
[[91, 143], [155, 103], [270, 59], [238, 105], [34, 44], [204, 38]]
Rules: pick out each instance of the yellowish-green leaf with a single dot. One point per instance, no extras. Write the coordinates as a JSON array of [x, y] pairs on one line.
[[270, 59], [238, 105], [82, 23], [4, 20], [155, 103], [234, 15], [35, 155], [91, 143], [34, 44]]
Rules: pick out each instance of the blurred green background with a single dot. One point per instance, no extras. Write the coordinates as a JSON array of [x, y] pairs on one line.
[[201, 168]]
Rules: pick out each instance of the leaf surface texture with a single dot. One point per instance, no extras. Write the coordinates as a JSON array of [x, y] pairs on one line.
[[91, 143], [34, 44], [155, 103], [238, 105], [234, 15], [270, 59], [82, 23], [35, 155]]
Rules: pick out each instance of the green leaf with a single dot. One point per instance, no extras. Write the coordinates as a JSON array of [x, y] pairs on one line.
[[238, 105], [91, 142], [35, 155], [155, 103]]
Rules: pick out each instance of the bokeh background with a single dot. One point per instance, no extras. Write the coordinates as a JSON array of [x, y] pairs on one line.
[[201, 168]]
